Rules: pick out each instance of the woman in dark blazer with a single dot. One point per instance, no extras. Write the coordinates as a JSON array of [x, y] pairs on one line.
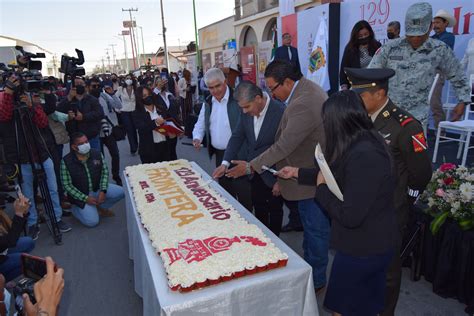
[[363, 226], [171, 109], [359, 51], [147, 117]]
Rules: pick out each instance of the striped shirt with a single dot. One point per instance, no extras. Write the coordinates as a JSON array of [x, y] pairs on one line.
[[72, 191]]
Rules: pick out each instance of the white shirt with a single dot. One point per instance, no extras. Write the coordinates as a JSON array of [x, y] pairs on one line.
[[157, 137], [166, 98], [374, 115], [287, 101], [258, 120], [182, 85], [219, 125], [128, 101]]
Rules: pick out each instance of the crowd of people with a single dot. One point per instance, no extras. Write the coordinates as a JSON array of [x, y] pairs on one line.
[[371, 133]]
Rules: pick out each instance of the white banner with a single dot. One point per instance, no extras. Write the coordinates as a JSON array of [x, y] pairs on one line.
[[318, 63], [380, 13], [230, 58], [286, 7]]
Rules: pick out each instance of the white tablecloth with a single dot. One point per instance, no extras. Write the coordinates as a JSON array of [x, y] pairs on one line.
[[283, 291]]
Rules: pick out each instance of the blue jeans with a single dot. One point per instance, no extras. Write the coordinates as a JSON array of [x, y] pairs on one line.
[[131, 130], [315, 239], [27, 189], [11, 267], [95, 143], [89, 215]]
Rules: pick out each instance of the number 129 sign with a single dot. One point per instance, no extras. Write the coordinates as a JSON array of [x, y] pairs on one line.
[[375, 12]]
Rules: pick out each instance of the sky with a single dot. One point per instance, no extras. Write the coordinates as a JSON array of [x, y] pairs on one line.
[[60, 26]]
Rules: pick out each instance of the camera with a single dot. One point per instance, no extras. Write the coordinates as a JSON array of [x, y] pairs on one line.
[[69, 65], [34, 269]]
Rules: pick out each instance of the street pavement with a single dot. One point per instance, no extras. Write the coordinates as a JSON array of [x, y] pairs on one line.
[[99, 273]]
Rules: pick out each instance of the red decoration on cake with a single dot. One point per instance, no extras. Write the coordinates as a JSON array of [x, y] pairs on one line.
[[150, 197]]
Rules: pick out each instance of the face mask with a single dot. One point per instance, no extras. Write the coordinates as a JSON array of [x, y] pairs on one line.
[[80, 90], [84, 148], [148, 100], [390, 35], [363, 40], [128, 82]]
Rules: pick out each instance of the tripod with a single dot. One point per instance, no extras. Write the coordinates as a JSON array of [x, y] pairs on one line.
[[25, 127]]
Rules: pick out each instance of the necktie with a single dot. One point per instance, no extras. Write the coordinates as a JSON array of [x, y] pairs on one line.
[[289, 53]]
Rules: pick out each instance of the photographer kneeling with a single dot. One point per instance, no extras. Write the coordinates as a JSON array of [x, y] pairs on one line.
[[11, 244]]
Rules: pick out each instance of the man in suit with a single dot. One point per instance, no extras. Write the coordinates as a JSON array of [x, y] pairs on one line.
[[300, 130], [217, 120], [288, 53], [257, 126], [405, 137]]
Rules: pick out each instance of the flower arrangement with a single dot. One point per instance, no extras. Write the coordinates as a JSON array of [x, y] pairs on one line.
[[450, 194]]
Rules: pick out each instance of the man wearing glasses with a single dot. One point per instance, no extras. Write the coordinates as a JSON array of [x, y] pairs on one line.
[[217, 121]]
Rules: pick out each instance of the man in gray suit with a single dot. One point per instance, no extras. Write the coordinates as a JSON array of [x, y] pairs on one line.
[[300, 130], [257, 127]]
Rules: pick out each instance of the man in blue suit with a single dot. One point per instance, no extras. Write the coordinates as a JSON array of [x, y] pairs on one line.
[[257, 126], [286, 52]]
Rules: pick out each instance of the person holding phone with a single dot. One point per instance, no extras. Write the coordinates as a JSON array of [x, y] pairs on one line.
[[11, 244]]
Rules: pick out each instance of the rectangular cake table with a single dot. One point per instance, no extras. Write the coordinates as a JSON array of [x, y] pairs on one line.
[[283, 291]]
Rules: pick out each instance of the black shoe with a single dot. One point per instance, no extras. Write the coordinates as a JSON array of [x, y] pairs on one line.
[[291, 227], [33, 231], [67, 213], [64, 227]]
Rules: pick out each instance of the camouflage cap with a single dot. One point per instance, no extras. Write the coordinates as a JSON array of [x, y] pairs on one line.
[[418, 19]]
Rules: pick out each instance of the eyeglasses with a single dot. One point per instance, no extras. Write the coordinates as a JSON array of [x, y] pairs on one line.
[[274, 88]]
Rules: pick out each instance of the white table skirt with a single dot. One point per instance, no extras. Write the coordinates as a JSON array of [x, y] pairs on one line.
[[283, 291]]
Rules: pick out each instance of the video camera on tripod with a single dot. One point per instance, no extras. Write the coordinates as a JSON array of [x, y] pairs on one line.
[[31, 80]]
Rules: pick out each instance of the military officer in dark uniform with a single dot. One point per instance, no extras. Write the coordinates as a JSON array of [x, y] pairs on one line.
[[405, 137]]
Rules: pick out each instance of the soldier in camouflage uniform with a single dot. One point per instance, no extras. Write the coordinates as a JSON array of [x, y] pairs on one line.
[[404, 135], [415, 59]]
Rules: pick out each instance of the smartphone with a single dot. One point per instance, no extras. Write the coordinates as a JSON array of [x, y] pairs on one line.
[[34, 267], [164, 76]]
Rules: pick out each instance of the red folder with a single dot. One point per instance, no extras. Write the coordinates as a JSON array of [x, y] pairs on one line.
[[171, 126]]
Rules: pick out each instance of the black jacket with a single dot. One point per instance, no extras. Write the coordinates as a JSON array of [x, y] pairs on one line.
[[79, 174], [351, 59], [92, 113], [365, 222], [10, 239], [145, 126], [173, 111]]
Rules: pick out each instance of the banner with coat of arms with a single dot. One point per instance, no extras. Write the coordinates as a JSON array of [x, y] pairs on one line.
[[318, 64]]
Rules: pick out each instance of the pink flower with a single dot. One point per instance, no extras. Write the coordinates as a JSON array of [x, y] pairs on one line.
[[447, 166], [440, 192], [448, 181]]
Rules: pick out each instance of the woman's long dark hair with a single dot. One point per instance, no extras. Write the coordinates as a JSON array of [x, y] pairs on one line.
[[345, 119], [353, 41], [139, 99]]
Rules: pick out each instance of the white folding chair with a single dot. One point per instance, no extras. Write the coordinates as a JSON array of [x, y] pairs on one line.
[[465, 128]]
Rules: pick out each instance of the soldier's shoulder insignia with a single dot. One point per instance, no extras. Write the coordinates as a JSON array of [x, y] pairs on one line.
[[386, 114], [419, 142]]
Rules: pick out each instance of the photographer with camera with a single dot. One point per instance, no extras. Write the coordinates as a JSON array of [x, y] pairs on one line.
[[47, 292], [11, 244], [16, 141], [84, 111]]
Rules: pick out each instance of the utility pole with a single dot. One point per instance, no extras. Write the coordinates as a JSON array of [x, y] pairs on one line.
[[143, 47], [103, 66], [108, 57], [132, 37], [136, 41], [125, 52], [164, 35], [198, 55], [114, 68]]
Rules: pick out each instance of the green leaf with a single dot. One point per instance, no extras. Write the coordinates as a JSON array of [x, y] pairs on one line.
[[466, 224], [437, 222]]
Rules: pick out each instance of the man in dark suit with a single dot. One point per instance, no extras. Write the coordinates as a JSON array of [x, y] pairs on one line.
[[257, 127], [405, 137], [288, 53]]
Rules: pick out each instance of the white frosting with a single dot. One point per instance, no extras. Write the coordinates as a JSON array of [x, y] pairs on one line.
[[161, 219]]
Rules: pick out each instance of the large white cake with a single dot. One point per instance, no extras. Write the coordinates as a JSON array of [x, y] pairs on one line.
[[200, 237]]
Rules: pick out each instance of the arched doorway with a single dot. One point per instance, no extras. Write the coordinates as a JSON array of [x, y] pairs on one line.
[[248, 37], [268, 30]]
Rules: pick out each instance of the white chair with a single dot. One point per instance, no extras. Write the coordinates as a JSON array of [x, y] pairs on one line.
[[465, 128], [430, 95]]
